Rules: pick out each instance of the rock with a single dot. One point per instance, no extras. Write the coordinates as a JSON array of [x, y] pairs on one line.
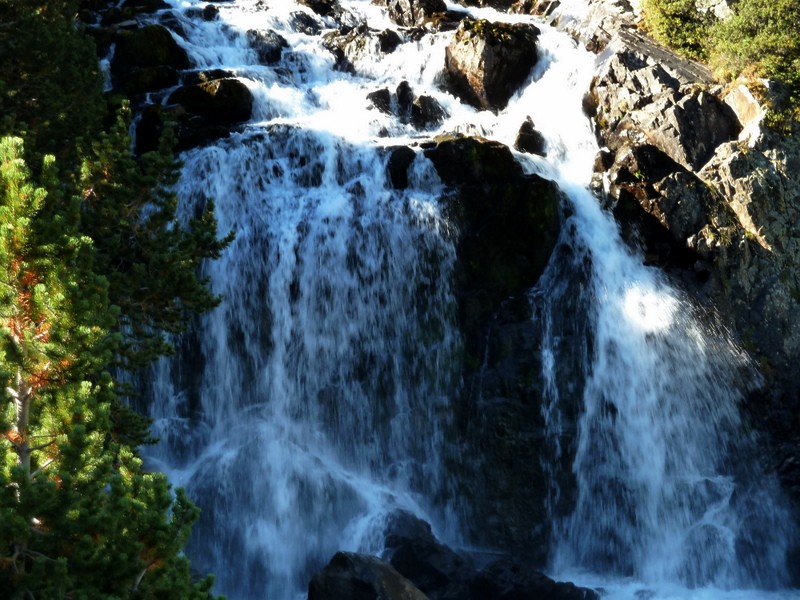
[[688, 129], [350, 47], [423, 112], [144, 6], [400, 160], [204, 76], [434, 568], [149, 129], [305, 23], [324, 8], [268, 45], [461, 160], [529, 139], [382, 100], [149, 47], [487, 62], [389, 40], [507, 579], [409, 13], [658, 204], [748, 110], [219, 102], [508, 223], [427, 113], [405, 97], [149, 79], [210, 12], [361, 577]]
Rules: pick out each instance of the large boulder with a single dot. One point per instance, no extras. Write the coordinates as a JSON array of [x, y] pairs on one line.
[[436, 569], [508, 223], [150, 48], [361, 577], [487, 62], [219, 102]]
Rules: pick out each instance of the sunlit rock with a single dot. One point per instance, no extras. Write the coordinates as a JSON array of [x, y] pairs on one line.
[[487, 62]]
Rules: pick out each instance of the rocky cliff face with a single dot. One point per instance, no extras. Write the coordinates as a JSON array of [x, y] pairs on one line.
[[710, 196]]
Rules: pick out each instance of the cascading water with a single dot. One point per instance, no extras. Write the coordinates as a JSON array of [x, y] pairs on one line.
[[316, 398]]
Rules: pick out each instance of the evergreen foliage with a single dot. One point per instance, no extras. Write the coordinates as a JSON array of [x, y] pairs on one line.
[[79, 518], [677, 24], [94, 270]]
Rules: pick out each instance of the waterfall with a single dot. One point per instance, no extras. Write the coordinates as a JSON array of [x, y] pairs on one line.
[[318, 397]]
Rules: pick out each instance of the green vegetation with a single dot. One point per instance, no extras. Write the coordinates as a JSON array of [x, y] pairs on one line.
[[759, 40], [94, 269]]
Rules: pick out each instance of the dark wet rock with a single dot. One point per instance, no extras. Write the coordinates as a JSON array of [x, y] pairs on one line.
[[409, 13], [433, 567], [204, 76], [361, 577], [210, 12], [324, 8], [382, 100], [389, 40], [144, 6], [304, 23], [487, 62], [508, 223], [268, 45], [149, 79], [218, 102], [405, 98], [507, 579], [427, 113], [191, 131], [423, 112], [400, 160], [149, 129], [147, 48], [462, 160], [529, 139]]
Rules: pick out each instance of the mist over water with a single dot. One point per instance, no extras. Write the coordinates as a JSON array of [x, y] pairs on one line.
[[318, 397]]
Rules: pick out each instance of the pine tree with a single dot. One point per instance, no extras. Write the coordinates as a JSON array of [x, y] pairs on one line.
[[79, 517], [151, 261]]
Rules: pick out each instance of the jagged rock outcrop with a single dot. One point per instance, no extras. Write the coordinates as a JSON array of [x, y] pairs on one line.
[[710, 196], [487, 62]]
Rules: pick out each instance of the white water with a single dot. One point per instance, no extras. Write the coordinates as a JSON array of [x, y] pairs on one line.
[[316, 398]]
